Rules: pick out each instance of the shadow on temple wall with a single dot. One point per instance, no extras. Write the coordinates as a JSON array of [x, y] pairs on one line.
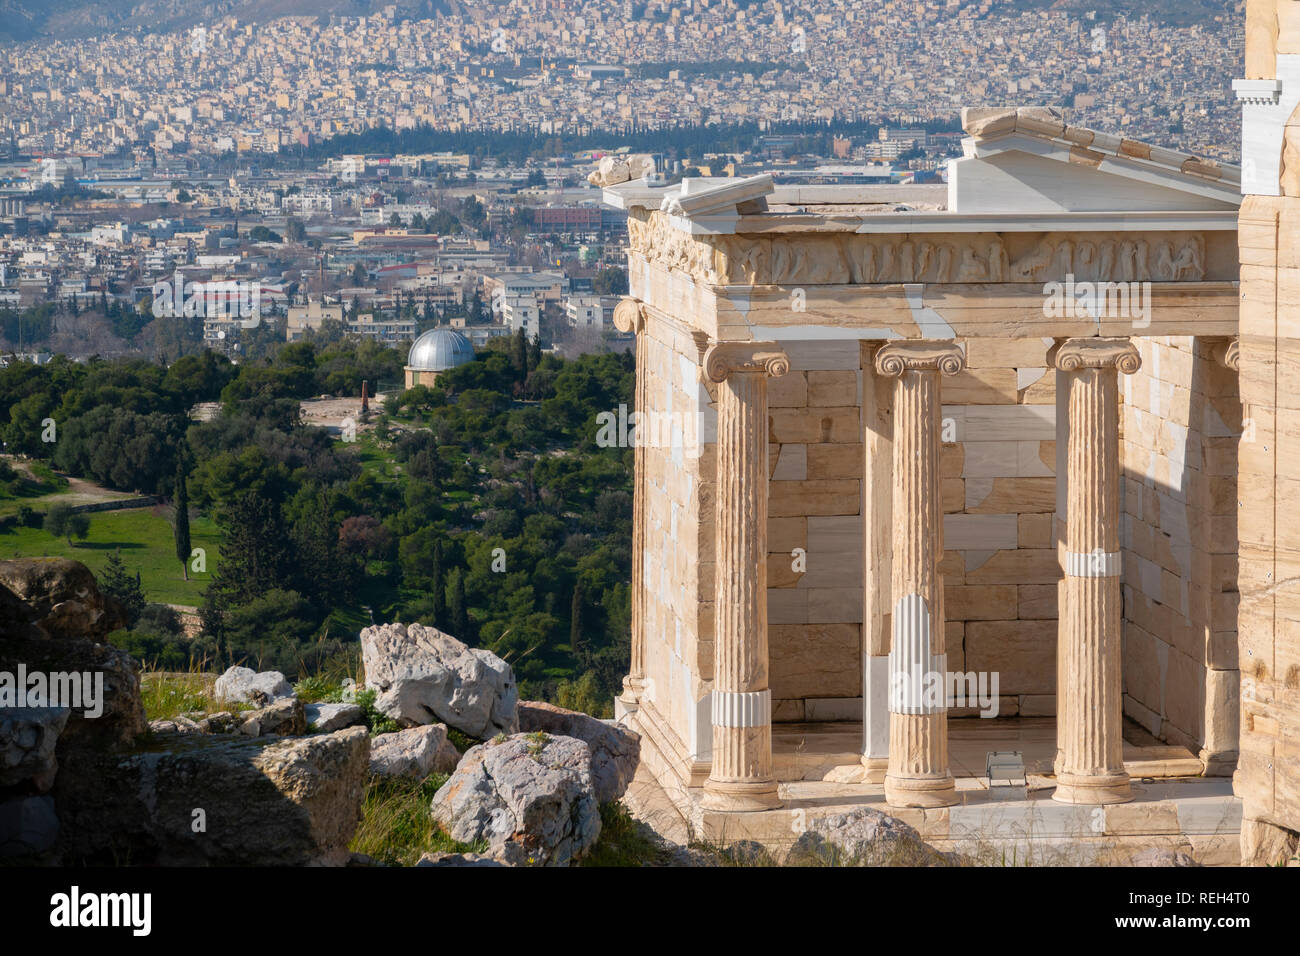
[[1179, 530]]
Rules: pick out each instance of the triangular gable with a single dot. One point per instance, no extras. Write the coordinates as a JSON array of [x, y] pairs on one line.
[[1029, 160]]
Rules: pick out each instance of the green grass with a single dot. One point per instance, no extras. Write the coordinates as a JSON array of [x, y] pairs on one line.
[[167, 694], [146, 544], [317, 689], [397, 825], [624, 841], [40, 489]]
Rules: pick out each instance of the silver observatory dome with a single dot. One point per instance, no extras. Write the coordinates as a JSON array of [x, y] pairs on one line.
[[438, 350]]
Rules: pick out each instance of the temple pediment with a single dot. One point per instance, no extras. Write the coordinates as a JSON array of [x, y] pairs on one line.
[[1030, 160]]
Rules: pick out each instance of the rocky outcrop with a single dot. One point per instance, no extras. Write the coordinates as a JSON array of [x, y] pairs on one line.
[[864, 837], [327, 718], [52, 618], [615, 750], [529, 796], [222, 722], [217, 800], [283, 718], [59, 633], [414, 753], [63, 597], [86, 784], [177, 725], [423, 676], [242, 685], [27, 745]]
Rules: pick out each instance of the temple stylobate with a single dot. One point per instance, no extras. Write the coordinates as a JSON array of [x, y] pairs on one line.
[[932, 454]]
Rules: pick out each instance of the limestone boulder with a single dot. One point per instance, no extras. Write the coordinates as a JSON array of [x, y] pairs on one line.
[[615, 750], [16, 618], [53, 616], [222, 722], [225, 800], [63, 597], [28, 736], [283, 718], [530, 796], [327, 718], [177, 725], [864, 837], [244, 685], [107, 673], [414, 753], [423, 676]]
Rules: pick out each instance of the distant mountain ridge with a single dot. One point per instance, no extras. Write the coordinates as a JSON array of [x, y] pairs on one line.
[[1172, 12], [69, 19], [22, 20]]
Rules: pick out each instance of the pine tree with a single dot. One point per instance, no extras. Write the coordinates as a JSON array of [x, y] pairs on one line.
[[116, 582], [181, 530]]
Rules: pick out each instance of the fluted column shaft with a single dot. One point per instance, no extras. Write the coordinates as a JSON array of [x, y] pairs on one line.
[[918, 774], [629, 317], [635, 680], [741, 777], [1089, 705]]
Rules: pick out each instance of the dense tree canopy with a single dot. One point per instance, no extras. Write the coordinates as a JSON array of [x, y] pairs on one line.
[[481, 504]]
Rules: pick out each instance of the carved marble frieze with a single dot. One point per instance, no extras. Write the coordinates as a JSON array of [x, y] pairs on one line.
[[853, 258]]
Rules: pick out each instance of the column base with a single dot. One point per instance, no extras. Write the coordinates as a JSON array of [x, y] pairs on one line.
[[628, 701], [740, 797], [876, 769], [1093, 790], [923, 792], [1219, 763]]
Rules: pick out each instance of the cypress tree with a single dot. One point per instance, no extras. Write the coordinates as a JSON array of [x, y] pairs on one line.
[[576, 645], [439, 587], [519, 357], [457, 611], [181, 530]]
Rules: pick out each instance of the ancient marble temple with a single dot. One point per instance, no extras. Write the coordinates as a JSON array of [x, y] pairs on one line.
[[890, 436]]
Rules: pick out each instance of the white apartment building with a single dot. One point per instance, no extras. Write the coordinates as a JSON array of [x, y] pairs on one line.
[[585, 312], [521, 312]]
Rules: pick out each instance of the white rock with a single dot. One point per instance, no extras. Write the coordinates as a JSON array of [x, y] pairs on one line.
[[423, 676], [530, 796], [413, 753], [327, 718], [244, 684]]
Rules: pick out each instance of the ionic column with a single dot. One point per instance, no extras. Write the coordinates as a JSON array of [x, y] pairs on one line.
[[629, 317], [741, 776], [918, 774], [1090, 767]]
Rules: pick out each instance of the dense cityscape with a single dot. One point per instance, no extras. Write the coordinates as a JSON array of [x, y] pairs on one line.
[[396, 173]]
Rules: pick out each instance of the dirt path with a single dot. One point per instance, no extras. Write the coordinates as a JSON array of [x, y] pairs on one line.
[[78, 492]]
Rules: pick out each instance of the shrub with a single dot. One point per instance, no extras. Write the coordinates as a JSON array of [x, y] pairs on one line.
[[376, 720]]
